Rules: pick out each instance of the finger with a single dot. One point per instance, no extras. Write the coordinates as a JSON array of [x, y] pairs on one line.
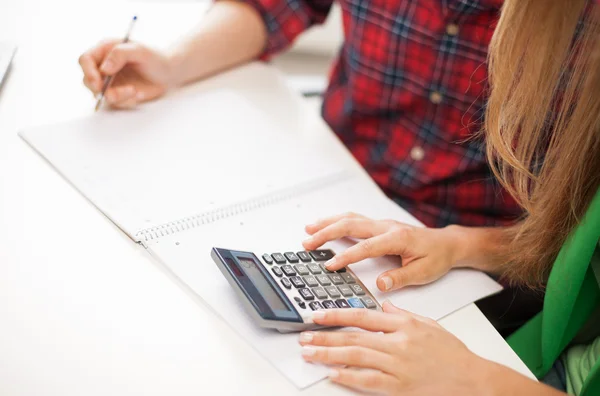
[[390, 308], [377, 246], [91, 75], [353, 356], [121, 55], [362, 318], [365, 339], [365, 380], [117, 95], [345, 227], [418, 272], [322, 223], [126, 104]]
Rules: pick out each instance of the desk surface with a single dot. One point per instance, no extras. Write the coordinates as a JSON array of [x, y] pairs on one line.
[[82, 309]]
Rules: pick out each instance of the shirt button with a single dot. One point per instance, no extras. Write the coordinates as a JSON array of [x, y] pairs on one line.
[[436, 97], [452, 29], [417, 153]]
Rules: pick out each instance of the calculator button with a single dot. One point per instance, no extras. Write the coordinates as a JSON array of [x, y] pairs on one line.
[[355, 303], [341, 270], [291, 257], [314, 268], [304, 257], [348, 278], [342, 303], [301, 269], [286, 283], [328, 304], [322, 265], [345, 290], [267, 258], [300, 303], [279, 258], [311, 281], [336, 279], [357, 290], [322, 255], [277, 271], [288, 270], [323, 280], [369, 303], [319, 292], [306, 294], [297, 282], [315, 305], [333, 291]]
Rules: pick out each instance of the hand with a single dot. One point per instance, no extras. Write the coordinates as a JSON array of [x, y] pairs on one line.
[[413, 355], [427, 253], [141, 73]]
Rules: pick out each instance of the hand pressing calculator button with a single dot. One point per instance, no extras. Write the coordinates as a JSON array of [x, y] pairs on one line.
[[278, 289]]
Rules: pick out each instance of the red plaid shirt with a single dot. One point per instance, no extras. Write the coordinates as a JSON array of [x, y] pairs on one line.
[[407, 89]]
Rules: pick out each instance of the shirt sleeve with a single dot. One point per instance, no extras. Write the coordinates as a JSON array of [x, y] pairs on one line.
[[286, 19]]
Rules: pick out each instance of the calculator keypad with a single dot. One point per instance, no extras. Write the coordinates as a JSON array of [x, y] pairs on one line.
[[315, 284]]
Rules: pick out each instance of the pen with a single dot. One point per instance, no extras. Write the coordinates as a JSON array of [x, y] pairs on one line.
[[108, 79]]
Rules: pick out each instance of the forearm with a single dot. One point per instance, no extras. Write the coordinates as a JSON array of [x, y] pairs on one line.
[[481, 248], [230, 34], [499, 380]]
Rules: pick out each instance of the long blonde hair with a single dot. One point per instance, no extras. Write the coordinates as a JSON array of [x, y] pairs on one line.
[[542, 124]]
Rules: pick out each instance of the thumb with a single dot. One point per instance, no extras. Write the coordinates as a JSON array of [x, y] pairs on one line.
[[121, 55], [416, 273]]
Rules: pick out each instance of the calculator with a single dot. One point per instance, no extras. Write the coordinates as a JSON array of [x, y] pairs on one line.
[[280, 290]]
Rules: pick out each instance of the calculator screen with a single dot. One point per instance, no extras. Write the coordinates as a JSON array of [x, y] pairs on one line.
[[251, 270]]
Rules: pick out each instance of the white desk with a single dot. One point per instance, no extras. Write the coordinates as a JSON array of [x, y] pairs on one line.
[[77, 320]]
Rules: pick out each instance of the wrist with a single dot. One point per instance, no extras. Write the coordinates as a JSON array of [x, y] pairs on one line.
[[476, 247]]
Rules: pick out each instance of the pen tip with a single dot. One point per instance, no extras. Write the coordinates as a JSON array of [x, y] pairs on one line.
[[135, 17]]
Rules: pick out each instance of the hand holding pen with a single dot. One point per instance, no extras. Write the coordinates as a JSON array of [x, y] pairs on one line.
[[122, 73]]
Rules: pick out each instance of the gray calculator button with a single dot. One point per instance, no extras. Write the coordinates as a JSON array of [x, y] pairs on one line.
[[342, 303], [369, 303], [297, 282], [322, 255], [304, 257], [278, 257], [301, 269], [319, 292], [311, 281], [336, 279], [288, 270], [291, 257], [345, 290], [315, 305], [286, 283], [267, 258], [357, 290], [314, 268], [348, 278], [277, 271], [333, 291], [325, 269], [328, 304], [323, 280], [306, 294]]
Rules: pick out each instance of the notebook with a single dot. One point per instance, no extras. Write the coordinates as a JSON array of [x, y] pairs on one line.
[[237, 161]]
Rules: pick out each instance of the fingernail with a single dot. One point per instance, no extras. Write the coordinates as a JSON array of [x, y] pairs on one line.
[[139, 96], [308, 351], [388, 283], [333, 374], [318, 315], [308, 240], [106, 66], [306, 337], [330, 262]]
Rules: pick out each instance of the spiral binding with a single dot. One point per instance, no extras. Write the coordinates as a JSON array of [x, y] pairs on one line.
[[157, 232]]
